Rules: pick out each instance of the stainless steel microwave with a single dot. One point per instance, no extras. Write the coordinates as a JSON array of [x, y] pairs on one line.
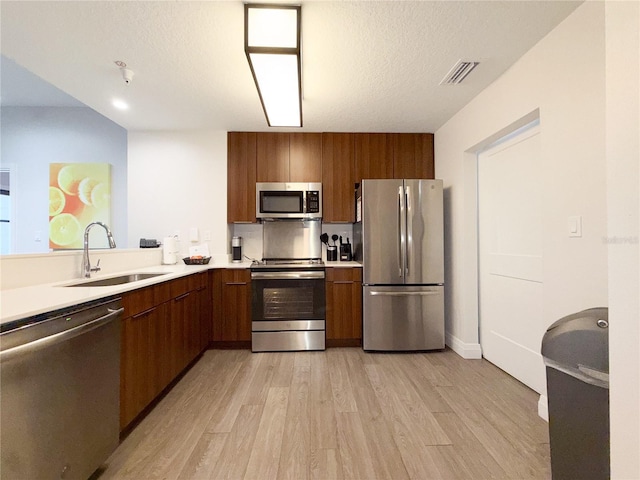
[[288, 200]]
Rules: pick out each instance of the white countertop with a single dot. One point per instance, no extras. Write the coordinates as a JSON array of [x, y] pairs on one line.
[[24, 302], [343, 264]]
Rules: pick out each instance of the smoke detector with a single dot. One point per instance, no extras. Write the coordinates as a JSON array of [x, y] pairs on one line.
[[127, 74]]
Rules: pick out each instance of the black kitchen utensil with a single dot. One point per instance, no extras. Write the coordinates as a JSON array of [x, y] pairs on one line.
[[324, 238], [340, 239], [334, 237]]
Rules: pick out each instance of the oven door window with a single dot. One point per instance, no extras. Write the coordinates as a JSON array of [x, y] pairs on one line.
[[281, 202], [288, 300]]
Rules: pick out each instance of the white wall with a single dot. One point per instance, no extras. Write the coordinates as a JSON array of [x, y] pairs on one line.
[[34, 137], [623, 185], [178, 181], [561, 80], [585, 79]]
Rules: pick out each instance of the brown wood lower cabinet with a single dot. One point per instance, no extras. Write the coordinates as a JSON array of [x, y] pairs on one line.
[[161, 334], [344, 307], [231, 297]]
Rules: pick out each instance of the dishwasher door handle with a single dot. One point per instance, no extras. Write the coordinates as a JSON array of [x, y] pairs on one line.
[[60, 336]]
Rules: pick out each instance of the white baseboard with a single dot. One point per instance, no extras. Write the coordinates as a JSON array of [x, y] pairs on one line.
[[543, 408], [467, 351]]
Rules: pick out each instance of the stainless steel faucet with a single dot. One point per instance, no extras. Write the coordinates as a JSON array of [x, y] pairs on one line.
[[86, 264]]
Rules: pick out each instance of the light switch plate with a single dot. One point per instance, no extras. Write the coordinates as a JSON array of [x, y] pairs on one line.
[[575, 226], [193, 234]]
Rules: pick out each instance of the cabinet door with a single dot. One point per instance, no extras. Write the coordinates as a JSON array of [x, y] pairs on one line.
[[163, 330], [413, 155], [344, 306], [128, 371], [181, 320], [235, 312], [272, 154], [338, 177], [305, 157], [136, 382], [216, 304], [241, 177], [206, 314], [374, 155], [139, 380]]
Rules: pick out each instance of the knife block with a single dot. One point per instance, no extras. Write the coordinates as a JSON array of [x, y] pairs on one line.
[[345, 252]]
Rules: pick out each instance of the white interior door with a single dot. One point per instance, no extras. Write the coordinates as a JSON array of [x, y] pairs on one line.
[[510, 256]]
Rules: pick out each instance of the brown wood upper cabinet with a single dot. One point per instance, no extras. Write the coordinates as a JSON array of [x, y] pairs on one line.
[[413, 155], [338, 177], [338, 160], [394, 155], [289, 157], [305, 157], [241, 177], [272, 156], [374, 155]]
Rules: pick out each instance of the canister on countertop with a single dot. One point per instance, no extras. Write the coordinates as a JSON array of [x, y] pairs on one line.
[[170, 250], [236, 249]]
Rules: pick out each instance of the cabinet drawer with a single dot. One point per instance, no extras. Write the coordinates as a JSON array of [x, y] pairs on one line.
[[138, 301], [341, 274], [236, 276], [182, 285]]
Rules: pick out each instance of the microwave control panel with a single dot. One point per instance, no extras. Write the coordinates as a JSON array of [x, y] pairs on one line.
[[313, 201]]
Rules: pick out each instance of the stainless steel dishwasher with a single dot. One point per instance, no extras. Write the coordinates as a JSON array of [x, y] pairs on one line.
[[60, 390]]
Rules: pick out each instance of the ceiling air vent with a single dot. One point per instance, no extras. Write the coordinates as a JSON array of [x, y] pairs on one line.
[[458, 73]]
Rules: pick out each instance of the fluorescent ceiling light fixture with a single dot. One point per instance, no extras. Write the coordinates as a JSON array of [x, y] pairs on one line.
[[272, 46]]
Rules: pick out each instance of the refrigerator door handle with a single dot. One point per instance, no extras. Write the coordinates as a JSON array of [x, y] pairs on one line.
[[401, 294], [409, 235], [401, 239]]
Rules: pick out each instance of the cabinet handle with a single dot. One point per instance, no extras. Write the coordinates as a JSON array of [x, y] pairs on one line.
[[344, 281], [236, 283], [184, 295], [142, 314]]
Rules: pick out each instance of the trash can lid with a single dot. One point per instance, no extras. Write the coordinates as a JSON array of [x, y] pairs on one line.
[[579, 341]]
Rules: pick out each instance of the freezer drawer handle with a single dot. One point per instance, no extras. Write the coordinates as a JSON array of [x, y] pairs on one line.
[[401, 294]]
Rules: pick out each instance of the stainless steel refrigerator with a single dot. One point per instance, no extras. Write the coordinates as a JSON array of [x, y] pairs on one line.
[[399, 240]]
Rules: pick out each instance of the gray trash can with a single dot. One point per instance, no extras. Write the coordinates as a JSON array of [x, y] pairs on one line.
[[576, 355]]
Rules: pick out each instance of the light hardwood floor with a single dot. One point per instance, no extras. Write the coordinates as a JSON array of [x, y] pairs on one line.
[[342, 413]]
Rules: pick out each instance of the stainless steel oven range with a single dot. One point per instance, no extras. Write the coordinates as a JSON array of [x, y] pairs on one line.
[[288, 306]]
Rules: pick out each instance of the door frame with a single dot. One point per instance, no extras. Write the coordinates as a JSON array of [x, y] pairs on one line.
[[470, 258]]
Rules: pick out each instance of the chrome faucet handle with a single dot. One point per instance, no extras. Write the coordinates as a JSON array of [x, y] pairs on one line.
[[96, 268]]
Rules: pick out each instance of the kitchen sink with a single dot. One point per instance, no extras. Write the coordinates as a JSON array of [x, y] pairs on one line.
[[122, 279]]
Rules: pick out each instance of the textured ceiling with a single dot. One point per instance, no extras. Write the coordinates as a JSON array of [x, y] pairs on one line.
[[366, 65]]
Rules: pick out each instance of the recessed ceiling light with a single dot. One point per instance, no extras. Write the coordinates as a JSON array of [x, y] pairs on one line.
[[120, 104]]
